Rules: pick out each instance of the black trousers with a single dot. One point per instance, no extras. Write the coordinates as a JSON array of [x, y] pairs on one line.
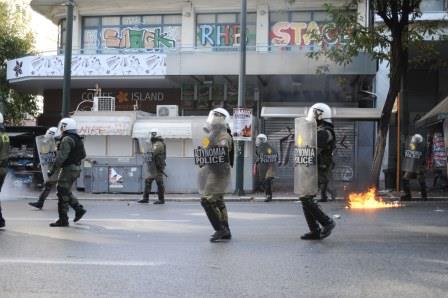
[[313, 214]]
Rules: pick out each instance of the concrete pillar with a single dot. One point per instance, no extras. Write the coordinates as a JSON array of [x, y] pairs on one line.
[[188, 28], [262, 28], [77, 31], [363, 12]]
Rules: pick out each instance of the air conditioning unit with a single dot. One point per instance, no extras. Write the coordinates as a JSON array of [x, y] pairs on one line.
[[103, 103], [167, 110]]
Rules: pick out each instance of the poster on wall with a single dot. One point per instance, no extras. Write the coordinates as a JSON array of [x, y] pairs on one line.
[[115, 179], [242, 124]]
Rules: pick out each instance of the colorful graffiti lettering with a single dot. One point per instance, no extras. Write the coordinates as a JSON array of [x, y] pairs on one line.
[[305, 34], [137, 39], [220, 35]]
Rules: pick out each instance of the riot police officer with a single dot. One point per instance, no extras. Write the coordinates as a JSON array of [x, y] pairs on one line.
[[315, 217], [266, 162], [214, 156], [69, 155], [4, 154], [51, 181], [156, 168], [414, 166]]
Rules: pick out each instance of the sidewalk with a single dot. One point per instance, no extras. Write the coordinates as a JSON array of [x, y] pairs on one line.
[[257, 197]]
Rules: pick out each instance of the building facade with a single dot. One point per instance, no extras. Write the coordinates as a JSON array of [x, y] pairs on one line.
[[185, 53]]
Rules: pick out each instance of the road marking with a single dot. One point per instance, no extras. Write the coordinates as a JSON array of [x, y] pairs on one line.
[[100, 219], [80, 262]]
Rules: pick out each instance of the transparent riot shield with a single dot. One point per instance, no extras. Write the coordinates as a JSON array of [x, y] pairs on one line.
[[413, 156], [146, 151], [46, 148], [305, 158], [267, 160], [211, 156]]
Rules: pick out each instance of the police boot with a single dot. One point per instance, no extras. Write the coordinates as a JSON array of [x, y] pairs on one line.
[[211, 215], [268, 198], [145, 198], [2, 220], [79, 213], [323, 194], [423, 192], [63, 218], [326, 231], [407, 191], [225, 223], [161, 199], [38, 204], [223, 234], [313, 235]]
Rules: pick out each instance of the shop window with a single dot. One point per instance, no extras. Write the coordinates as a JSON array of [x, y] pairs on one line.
[[433, 5], [291, 30], [111, 21], [131, 33], [172, 20], [222, 31], [91, 21]]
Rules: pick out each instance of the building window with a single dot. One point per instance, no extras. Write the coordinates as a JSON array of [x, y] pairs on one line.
[[293, 29], [433, 5], [221, 31], [131, 33], [61, 35]]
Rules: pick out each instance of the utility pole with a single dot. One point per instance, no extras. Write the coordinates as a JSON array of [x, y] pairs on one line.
[[239, 187], [67, 59]]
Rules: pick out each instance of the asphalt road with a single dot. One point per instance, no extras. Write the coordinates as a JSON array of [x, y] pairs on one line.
[[124, 249]]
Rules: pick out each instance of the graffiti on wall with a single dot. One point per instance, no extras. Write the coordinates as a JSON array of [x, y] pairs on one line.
[[216, 35], [89, 65], [305, 34], [130, 38]]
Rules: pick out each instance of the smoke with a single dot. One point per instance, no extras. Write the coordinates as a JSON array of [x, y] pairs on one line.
[[17, 187]]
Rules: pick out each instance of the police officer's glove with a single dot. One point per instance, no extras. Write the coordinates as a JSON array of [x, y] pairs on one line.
[[50, 173]]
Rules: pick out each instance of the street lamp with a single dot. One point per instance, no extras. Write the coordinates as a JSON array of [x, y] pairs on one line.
[[67, 60], [239, 185]]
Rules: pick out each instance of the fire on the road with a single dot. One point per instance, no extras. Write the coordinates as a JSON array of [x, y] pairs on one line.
[[368, 200]]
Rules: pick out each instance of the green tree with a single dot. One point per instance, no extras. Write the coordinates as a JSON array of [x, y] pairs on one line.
[[388, 40], [16, 40]]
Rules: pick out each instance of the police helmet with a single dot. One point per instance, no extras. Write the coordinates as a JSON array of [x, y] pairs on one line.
[[319, 111], [66, 124], [417, 139], [51, 132]]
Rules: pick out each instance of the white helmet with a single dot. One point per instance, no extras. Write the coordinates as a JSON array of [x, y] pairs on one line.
[[319, 111], [416, 139], [154, 132], [51, 132], [1, 118], [261, 138], [66, 124], [218, 112]]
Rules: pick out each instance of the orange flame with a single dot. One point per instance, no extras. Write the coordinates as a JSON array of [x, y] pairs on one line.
[[368, 200]]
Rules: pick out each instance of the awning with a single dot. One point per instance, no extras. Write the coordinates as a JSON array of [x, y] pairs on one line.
[[437, 114], [168, 128], [340, 113], [104, 123]]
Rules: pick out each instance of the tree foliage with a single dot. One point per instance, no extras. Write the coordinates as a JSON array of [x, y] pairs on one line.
[[16, 40], [386, 40]]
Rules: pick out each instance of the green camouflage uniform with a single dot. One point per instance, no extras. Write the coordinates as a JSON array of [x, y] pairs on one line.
[[213, 194], [68, 162], [4, 154], [156, 169]]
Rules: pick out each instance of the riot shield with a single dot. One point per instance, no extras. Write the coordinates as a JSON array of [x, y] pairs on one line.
[[211, 156], [305, 158], [46, 148], [267, 160], [413, 156], [146, 151]]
